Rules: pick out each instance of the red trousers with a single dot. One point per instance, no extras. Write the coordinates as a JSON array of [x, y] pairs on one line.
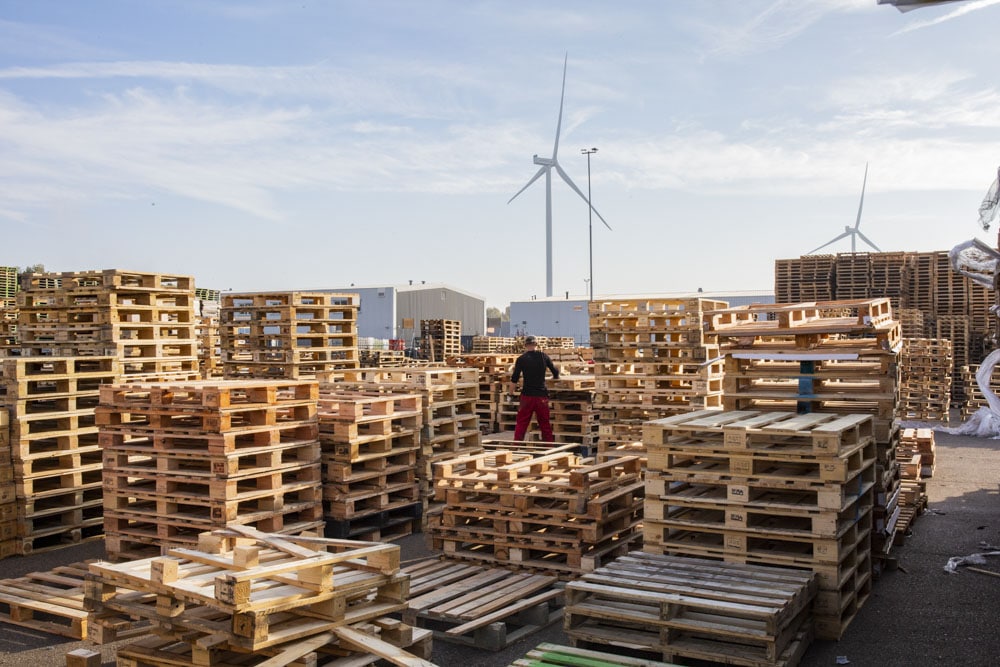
[[539, 406]]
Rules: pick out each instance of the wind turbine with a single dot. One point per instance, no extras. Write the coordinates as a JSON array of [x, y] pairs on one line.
[[853, 232], [546, 165]]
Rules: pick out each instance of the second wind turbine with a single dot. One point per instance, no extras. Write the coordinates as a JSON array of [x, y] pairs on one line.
[[545, 168]]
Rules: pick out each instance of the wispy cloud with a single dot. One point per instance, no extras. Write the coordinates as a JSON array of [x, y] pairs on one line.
[[776, 24], [26, 40], [962, 10]]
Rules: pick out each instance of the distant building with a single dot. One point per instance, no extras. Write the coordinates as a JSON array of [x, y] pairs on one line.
[[395, 311], [553, 316]]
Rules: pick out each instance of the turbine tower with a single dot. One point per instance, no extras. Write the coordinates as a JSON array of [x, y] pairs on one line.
[[546, 165], [853, 232]]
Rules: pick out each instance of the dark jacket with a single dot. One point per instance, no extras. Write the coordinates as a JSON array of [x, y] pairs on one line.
[[532, 365]]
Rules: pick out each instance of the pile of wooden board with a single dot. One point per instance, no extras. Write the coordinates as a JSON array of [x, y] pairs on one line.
[[145, 320], [370, 444], [770, 488], [450, 425], [926, 369], [693, 608], [440, 339], [250, 598], [184, 458], [554, 513], [55, 459], [653, 358], [288, 335]]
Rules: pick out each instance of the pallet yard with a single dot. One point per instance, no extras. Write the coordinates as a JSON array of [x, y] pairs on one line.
[[725, 485]]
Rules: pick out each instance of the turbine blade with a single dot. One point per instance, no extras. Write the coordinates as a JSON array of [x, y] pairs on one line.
[[538, 174], [571, 184], [868, 241], [555, 148], [862, 204], [830, 242]]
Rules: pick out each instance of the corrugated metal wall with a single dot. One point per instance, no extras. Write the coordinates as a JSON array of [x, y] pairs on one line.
[[440, 303]]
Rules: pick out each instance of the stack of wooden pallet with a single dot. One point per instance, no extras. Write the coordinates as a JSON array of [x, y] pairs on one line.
[[553, 513], [853, 275], [958, 330], [184, 458], [770, 488], [249, 598], [8, 326], [209, 341], [145, 320], [916, 464], [370, 444], [926, 369], [652, 359], [834, 356], [887, 277], [382, 358], [674, 608], [914, 323], [973, 395], [8, 506], [573, 414], [288, 335], [494, 344], [440, 339], [450, 425], [8, 281], [55, 456], [494, 378]]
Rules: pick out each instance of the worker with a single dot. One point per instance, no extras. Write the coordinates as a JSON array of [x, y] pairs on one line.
[[534, 396]]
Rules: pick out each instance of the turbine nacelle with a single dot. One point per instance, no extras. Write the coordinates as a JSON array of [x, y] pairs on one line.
[[544, 161]]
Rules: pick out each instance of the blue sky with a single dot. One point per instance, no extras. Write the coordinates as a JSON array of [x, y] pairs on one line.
[[264, 145]]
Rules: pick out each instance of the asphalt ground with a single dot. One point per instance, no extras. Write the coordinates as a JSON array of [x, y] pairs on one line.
[[917, 614]]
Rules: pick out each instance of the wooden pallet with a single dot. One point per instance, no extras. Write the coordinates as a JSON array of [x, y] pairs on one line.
[[693, 608], [481, 606]]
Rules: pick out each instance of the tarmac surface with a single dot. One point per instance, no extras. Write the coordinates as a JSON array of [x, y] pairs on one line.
[[916, 615]]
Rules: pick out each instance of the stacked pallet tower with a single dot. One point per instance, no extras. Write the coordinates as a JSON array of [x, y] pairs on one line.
[[926, 369], [973, 396], [652, 359], [929, 297], [494, 344], [449, 422], [55, 456], [494, 378], [370, 444], [8, 503], [770, 488], [440, 339], [554, 513], [243, 597], [8, 308], [830, 357], [184, 458], [145, 320], [290, 335], [207, 328], [916, 465], [78, 331]]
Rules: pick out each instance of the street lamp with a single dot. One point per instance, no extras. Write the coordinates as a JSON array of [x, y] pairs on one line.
[[590, 219]]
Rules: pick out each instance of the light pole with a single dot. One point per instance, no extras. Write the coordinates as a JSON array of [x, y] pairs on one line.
[[590, 219]]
